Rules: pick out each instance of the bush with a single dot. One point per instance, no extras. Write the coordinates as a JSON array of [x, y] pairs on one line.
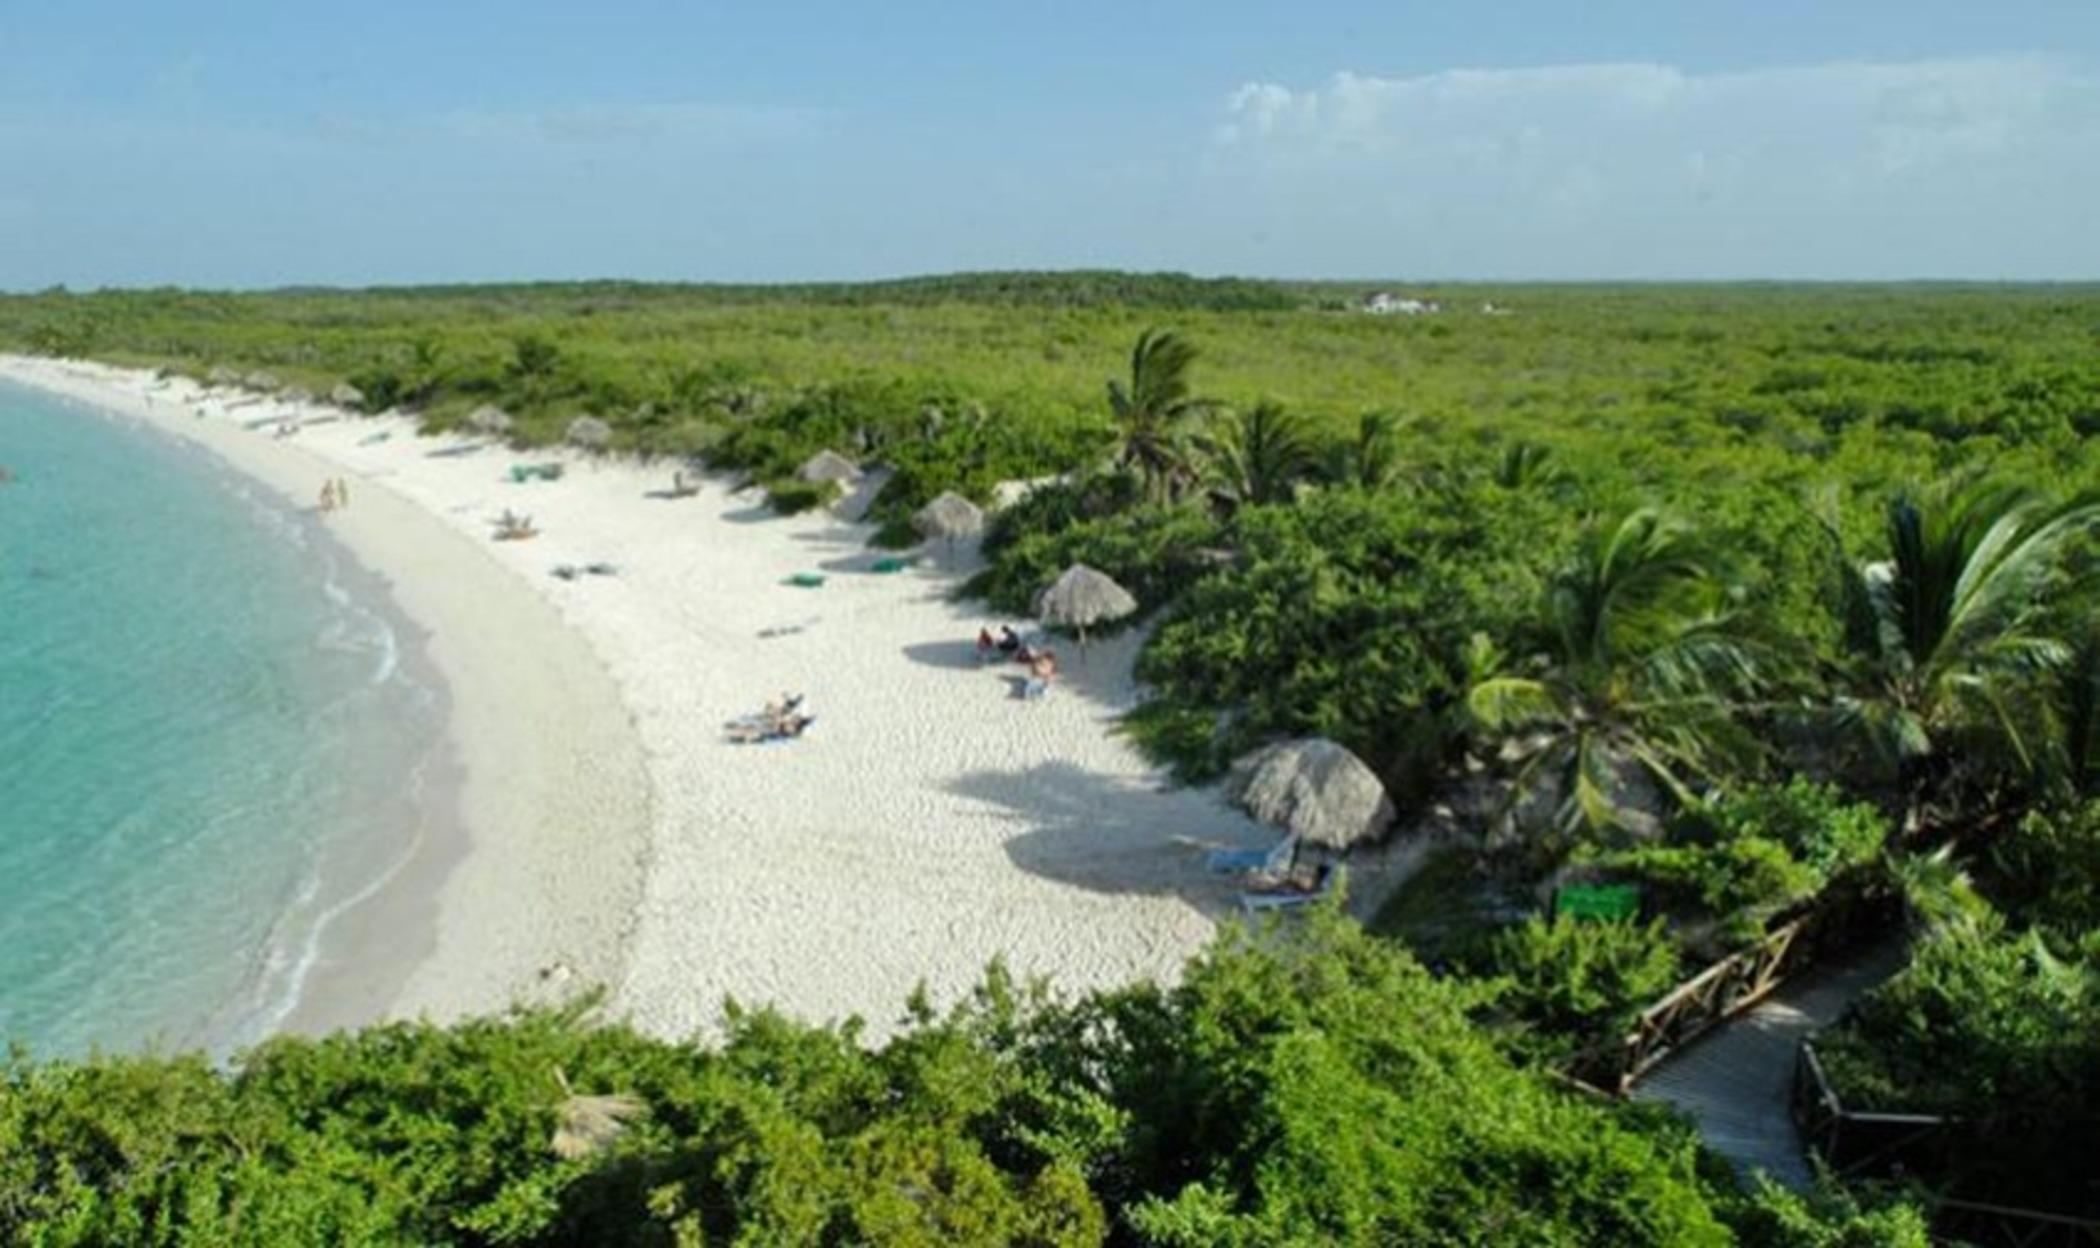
[[1990, 1027], [1829, 1217], [1744, 880], [1813, 822], [1305, 1085], [1347, 615], [2047, 870], [1568, 982], [792, 495]]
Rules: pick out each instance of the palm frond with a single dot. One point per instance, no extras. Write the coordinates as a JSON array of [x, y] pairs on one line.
[[1502, 703]]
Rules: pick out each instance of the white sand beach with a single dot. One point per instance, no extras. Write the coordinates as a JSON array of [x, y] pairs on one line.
[[928, 822]]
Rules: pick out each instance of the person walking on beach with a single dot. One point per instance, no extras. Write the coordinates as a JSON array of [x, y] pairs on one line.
[[328, 496], [342, 492]]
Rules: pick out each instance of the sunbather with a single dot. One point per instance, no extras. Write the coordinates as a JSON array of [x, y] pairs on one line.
[[1009, 640], [986, 647]]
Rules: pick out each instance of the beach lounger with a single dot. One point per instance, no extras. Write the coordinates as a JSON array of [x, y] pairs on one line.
[[1258, 901], [892, 563], [1271, 861], [805, 580]]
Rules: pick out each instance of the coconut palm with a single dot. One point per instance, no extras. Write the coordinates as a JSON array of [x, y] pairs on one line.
[[1153, 411], [1950, 636], [1643, 668], [1370, 459], [1528, 466], [1258, 455]]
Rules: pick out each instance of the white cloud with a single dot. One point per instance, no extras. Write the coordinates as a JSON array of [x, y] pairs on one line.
[[1814, 164]]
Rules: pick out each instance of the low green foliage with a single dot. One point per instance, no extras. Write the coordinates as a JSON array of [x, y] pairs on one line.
[[2046, 870], [789, 495], [1307, 1086], [1995, 1029], [1830, 1217], [1570, 982]]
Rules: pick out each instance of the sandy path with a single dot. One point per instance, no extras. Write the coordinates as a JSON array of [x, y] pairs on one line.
[[928, 823]]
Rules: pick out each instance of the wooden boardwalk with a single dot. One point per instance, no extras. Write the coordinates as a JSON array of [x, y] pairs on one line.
[[1733, 1082]]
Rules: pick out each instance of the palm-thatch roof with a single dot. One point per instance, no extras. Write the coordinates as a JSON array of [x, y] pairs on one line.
[[589, 432], [488, 418], [1315, 790], [589, 1124], [346, 395], [1081, 597], [828, 466], [950, 516]]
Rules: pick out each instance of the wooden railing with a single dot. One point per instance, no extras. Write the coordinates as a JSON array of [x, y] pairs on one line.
[[1918, 1147], [1858, 1143], [1713, 996]]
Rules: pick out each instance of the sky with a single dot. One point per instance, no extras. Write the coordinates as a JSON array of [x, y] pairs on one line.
[[242, 143]]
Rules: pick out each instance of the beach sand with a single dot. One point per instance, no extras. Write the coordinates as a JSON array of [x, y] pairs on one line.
[[927, 823]]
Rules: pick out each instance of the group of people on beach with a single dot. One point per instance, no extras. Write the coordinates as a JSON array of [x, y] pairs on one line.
[[335, 494], [1008, 646]]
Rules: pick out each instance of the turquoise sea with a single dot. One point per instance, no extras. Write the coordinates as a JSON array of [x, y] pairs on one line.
[[212, 739]]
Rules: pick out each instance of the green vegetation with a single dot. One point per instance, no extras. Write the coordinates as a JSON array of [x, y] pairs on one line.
[[1319, 1088], [1751, 596]]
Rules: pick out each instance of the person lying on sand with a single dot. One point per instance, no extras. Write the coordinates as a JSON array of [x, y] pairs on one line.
[[755, 732], [1042, 671]]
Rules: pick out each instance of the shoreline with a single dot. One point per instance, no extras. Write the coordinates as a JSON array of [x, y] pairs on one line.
[[929, 823], [430, 937]]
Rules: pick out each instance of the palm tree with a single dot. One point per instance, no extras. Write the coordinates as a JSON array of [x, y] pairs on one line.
[[1257, 456], [1643, 667], [1152, 412], [1371, 458], [1957, 629], [1528, 465]]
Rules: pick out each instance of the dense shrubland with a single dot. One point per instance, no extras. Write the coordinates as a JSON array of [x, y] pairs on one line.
[[1318, 1087], [1743, 595]]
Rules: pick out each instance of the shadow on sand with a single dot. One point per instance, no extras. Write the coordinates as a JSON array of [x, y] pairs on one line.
[[1116, 836]]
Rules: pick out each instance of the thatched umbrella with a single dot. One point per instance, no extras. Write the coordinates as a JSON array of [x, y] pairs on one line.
[[828, 466], [220, 375], [949, 516], [260, 380], [590, 433], [490, 419], [1315, 790], [296, 394], [589, 1124], [347, 395], [1082, 596]]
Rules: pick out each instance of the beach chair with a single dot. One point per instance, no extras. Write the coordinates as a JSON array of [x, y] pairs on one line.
[[1289, 897], [1274, 860], [805, 580], [891, 563]]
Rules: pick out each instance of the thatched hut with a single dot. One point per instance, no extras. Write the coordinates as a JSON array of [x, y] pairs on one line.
[[1315, 790], [589, 432], [950, 516], [1081, 597], [828, 466]]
